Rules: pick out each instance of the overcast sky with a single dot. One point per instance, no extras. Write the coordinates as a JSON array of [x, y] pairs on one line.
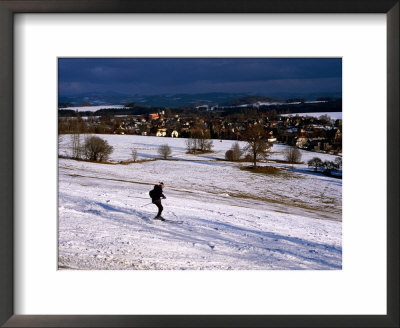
[[151, 76]]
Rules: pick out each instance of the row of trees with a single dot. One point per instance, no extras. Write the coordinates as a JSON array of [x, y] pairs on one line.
[[97, 149], [164, 151], [199, 141], [257, 146], [292, 155], [94, 148], [327, 166]]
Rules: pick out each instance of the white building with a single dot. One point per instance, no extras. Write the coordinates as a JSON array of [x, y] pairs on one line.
[[161, 132]]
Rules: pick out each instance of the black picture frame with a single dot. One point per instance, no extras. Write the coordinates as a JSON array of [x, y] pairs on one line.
[[10, 7]]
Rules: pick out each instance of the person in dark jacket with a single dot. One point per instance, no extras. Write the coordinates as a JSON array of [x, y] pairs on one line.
[[156, 195]]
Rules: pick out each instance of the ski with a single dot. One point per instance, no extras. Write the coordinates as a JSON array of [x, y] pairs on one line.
[[173, 221], [169, 221]]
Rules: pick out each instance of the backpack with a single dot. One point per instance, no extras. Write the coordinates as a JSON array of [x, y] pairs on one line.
[[152, 193]]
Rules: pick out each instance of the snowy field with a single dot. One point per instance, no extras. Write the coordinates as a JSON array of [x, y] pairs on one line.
[[219, 216], [332, 115], [92, 108]]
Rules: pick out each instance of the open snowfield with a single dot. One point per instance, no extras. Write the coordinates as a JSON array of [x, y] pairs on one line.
[[220, 217], [92, 108], [332, 115]]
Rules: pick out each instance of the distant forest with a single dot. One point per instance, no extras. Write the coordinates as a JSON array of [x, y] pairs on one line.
[[331, 105]]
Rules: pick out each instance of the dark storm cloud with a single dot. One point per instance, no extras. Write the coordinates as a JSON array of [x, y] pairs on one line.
[[194, 75]]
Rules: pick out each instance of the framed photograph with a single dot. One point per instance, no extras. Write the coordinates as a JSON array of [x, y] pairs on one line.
[[233, 112], [208, 159]]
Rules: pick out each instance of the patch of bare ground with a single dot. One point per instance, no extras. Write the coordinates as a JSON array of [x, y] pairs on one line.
[[111, 163], [200, 152], [287, 202], [271, 171], [262, 169], [86, 160], [138, 161], [281, 161]]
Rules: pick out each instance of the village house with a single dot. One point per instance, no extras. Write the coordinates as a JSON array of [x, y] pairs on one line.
[[271, 137], [302, 138], [301, 141], [304, 132], [153, 116], [161, 132]]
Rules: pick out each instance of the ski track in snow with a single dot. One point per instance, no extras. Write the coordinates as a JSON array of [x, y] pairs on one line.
[[229, 219]]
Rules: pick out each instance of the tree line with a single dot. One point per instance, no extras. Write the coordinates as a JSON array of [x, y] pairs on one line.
[[94, 148], [326, 166]]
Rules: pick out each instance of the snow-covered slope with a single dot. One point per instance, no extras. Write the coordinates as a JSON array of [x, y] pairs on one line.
[[221, 217]]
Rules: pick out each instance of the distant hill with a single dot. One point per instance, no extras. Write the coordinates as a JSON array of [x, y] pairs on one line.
[[184, 100], [166, 100], [251, 100]]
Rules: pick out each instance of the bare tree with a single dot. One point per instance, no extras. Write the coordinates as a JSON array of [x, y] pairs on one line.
[[338, 163], [60, 140], [237, 152], [234, 153], [325, 119], [76, 147], [206, 145], [328, 166], [293, 155], [164, 151], [257, 146], [97, 149], [199, 141], [134, 154], [191, 145], [203, 140]]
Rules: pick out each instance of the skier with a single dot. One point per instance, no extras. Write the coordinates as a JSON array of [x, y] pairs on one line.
[[156, 194]]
